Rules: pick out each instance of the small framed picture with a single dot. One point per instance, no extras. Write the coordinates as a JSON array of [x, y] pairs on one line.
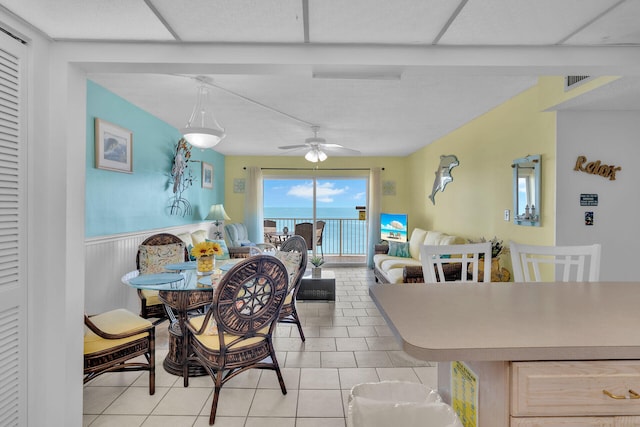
[[207, 175], [114, 147], [238, 185]]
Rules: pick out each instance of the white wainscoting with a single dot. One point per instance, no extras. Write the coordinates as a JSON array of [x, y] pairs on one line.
[[108, 258]]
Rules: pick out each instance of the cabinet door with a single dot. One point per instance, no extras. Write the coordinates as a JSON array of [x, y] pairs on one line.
[[627, 422], [566, 422]]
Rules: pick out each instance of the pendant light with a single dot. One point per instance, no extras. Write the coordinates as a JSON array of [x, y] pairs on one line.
[[203, 130]]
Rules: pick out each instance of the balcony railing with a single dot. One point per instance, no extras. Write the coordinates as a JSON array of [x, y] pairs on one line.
[[341, 236]]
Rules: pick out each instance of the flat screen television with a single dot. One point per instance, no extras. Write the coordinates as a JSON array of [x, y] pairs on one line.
[[393, 227]]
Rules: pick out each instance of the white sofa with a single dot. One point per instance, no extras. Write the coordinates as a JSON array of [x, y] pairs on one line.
[[390, 268]]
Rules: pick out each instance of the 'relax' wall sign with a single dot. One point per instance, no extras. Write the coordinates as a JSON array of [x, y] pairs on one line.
[[597, 168]]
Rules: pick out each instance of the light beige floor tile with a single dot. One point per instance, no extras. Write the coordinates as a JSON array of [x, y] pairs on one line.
[[247, 379], [170, 421], [428, 376], [344, 304], [344, 298], [383, 343], [310, 359], [397, 374], [233, 402], [163, 378], [362, 331], [291, 377], [339, 359], [372, 359], [317, 321], [288, 344], [362, 304], [117, 379], [354, 312], [88, 419], [320, 344], [372, 320], [182, 401], [334, 331], [351, 344], [270, 422], [353, 376], [320, 422], [319, 379], [136, 401], [97, 399], [272, 403], [203, 421], [320, 403], [202, 381], [399, 358], [384, 331], [308, 330], [118, 421], [345, 321]]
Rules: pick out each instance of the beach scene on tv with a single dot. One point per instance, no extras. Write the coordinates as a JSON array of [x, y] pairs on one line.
[[393, 227]]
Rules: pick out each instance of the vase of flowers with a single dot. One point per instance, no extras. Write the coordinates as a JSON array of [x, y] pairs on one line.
[[316, 270], [498, 273], [205, 253]]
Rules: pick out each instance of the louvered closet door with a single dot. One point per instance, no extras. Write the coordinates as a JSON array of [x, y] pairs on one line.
[[13, 288]]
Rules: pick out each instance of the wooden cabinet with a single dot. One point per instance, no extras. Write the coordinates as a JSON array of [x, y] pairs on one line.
[[572, 394]]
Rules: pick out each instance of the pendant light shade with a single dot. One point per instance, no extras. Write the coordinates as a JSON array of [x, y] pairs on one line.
[[203, 130]]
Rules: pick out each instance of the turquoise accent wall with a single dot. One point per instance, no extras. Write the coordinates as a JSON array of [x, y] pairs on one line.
[[118, 202]]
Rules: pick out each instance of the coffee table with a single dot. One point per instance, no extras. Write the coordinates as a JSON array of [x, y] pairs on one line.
[[323, 288]]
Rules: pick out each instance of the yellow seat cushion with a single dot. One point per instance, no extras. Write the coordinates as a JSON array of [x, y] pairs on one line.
[[210, 338], [151, 297], [117, 321]]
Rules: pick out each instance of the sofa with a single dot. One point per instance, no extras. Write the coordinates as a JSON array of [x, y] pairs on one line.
[[400, 262]]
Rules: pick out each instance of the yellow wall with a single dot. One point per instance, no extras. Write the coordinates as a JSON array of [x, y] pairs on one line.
[[394, 170], [473, 205]]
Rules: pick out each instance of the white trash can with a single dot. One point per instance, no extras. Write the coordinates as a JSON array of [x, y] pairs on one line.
[[398, 403]]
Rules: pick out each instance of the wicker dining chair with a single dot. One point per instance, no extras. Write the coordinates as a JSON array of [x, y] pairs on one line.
[[289, 313], [305, 229], [150, 304], [113, 339], [235, 334]]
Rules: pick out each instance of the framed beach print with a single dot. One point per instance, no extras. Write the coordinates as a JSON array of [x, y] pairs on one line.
[[114, 147], [207, 175]]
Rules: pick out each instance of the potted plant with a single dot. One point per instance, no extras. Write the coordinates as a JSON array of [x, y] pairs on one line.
[[316, 270]]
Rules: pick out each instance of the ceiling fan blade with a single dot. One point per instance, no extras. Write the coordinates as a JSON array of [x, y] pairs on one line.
[[290, 147], [335, 148]]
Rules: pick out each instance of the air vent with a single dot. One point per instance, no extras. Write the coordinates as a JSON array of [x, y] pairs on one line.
[[572, 81]]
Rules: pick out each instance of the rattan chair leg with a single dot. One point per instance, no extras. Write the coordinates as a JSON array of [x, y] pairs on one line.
[[216, 395]]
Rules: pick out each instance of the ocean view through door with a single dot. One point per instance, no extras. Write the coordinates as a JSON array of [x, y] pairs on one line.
[[338, 202]]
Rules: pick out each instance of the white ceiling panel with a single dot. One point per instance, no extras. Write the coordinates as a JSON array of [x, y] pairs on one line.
[[378, 21], [277, 21], [91, 19], [620, 26], [622, 94], [521, 22]]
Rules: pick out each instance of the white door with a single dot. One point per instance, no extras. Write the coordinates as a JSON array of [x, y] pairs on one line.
[[13, 289]]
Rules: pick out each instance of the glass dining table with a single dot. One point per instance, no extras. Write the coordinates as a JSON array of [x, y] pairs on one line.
[[182, 291]]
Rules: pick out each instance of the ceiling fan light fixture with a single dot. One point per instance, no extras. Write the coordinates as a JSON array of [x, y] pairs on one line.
[[316, 155], [202, 129]]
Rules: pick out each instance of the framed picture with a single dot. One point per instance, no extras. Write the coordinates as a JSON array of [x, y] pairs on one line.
[[238, 185], [207, 175], [114, 147]]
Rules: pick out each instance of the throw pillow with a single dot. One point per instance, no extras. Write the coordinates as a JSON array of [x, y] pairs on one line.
[[399, 249], [223, 246], [291, 261], [153, 258]]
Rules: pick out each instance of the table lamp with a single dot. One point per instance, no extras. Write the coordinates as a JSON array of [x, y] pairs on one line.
[[218, 216]]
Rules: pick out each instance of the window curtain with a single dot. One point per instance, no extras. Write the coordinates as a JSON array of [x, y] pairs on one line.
[[375, 198], [253, 212]]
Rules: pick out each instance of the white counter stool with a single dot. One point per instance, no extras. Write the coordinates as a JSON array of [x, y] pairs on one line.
[[573, 263], [469, 256]]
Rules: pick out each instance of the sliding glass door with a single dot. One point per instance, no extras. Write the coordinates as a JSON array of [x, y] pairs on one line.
[[338, 202]]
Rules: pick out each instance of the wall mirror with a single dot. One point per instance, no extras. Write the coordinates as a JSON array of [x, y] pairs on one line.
[[526, 190]]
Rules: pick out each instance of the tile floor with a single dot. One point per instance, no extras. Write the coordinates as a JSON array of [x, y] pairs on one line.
[[348, 342]]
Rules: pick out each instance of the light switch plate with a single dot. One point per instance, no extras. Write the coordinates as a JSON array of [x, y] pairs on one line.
[[507, 214]]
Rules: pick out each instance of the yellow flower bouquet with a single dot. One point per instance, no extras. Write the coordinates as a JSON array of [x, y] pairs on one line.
[[205, 253]]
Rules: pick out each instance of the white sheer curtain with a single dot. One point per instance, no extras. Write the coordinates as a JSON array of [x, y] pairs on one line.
[[253, 212], [375, 199]]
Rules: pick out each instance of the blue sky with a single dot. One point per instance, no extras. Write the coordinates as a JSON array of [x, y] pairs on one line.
[[330, 192]]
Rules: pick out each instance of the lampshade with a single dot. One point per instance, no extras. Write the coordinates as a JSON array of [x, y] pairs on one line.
[[203, 130], [217, 213], [316, 155]]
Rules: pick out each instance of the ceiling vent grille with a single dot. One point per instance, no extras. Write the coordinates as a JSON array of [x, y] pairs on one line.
[[572, 81]]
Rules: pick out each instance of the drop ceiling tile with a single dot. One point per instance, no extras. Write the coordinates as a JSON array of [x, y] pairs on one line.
[[620, 26], [91, 19], [378, 21], [262, 21], [521, 22]]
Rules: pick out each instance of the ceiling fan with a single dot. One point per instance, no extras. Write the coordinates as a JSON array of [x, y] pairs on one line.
[[318, 147]]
